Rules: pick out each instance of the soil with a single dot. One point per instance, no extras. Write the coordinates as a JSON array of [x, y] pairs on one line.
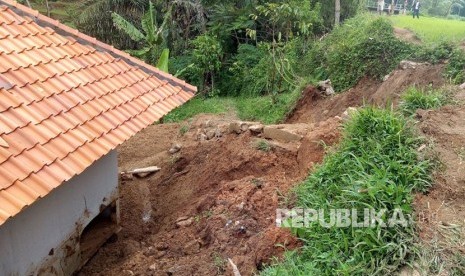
[[213, 200], [441, 211], [313, 107], [216, 199]]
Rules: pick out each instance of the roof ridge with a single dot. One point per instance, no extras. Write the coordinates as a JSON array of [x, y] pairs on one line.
[[98, 44]]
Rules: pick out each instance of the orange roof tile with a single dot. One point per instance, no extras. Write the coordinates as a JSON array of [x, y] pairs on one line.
[[66, 100]]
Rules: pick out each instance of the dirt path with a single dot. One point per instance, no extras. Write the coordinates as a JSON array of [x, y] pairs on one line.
[[407, 36], [216, 199]]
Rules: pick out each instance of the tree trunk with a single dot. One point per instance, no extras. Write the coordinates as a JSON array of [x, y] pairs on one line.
[[337, 13], [48, 8]]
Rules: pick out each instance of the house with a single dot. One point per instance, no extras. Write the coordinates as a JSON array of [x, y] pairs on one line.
[[66, 102]]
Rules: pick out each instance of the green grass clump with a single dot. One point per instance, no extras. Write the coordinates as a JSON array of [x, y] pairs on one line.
[[263, 145], [198, 105], [415, 98], [431, 29], [375, 166]]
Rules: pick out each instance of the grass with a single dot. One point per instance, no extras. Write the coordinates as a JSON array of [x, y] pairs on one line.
[[375, 166], [199, 105], [262, 145], [261, 109], [431, 29], [414, 99]]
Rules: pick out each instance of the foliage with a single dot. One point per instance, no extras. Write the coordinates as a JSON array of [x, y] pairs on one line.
[[433, 52], [363, 46], [349, 8], [284, 20], [206, 56], [375, 166], [151, 36], [414, 99], [455, 69], [93, 17]]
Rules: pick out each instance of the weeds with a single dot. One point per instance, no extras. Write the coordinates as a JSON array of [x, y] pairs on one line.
[[377, 155], [219, 263], [415, 98], [263, 145]]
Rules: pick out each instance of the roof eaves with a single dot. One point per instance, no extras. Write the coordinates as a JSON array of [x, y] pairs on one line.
[[64, 30]]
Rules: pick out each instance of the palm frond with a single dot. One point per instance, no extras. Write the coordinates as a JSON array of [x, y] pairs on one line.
[[127, 27]]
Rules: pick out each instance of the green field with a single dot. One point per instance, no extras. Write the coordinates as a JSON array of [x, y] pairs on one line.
[[430, 29]]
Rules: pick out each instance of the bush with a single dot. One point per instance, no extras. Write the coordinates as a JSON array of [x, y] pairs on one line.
[[362, 46], [455, 70], [433, 53]]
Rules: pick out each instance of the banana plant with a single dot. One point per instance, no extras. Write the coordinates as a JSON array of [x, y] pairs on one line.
[[152, 37]]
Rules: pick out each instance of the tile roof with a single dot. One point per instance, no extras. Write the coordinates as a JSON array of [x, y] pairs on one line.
[[66, 100]]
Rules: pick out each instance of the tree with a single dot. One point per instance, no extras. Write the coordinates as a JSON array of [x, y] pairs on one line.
[[207, 54], [93, 17], [337, 13], [151, 37]]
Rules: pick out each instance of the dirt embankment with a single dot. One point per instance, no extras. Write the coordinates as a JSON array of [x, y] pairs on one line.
[[216, 199], [314, 108], [441, 211]]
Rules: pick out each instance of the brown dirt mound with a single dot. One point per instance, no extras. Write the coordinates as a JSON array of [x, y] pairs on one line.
[[313, 108], [211, 201]]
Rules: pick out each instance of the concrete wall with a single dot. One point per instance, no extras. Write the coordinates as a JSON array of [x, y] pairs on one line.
[[44, 238]]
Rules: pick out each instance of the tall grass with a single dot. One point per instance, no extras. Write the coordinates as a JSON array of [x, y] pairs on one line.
[[375, 166]]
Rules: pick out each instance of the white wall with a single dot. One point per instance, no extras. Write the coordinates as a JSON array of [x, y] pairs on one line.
[[27, 238]]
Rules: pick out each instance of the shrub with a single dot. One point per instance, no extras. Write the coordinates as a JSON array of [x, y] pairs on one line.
[[362, 46], [433, 53], [455, 70]]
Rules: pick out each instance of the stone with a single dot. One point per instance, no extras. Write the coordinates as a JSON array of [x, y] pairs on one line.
[[462, 86], [407, 64], [326, 87], [153, 267], [175, 148], [238, 127], [235, 127], [274, 133], [210, 134], [348, 113], [191, 247], [256, 129], [218, 133], [184, 222], [203, 137]]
